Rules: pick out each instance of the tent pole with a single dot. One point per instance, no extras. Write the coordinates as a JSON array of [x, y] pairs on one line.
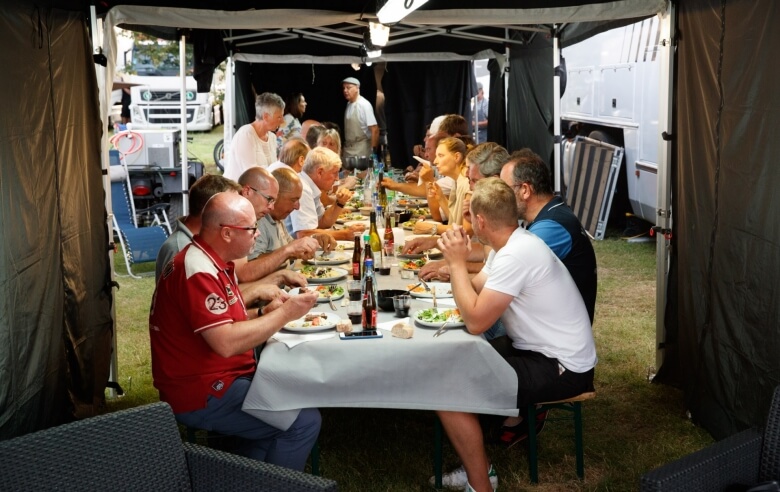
[[664, 197], [556, 165], [230, 103], [185, 198]]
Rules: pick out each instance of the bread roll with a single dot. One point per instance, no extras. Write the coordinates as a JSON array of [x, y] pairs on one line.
[[402, 330]]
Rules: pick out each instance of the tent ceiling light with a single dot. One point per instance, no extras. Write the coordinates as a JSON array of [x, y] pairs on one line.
[[394, 10], [380, 33], [371, 50]]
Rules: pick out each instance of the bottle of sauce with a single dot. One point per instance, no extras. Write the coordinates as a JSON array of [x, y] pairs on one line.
[[357, 273]]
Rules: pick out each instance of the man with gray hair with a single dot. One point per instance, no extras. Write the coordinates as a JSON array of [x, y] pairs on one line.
[[203, 335], [255, 144], [320, 171]]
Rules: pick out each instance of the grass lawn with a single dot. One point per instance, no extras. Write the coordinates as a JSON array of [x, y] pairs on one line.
[[631, 426]]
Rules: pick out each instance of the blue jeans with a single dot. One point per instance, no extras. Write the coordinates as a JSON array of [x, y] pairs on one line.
[[495, 331], [263, 442]]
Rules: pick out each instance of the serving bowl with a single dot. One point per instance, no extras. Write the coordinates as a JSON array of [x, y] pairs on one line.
[[385, 298]]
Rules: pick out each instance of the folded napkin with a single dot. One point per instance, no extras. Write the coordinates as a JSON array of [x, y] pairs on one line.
[[447, 301], [293, 339]]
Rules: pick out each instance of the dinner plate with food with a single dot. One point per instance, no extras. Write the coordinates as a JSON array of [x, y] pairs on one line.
[[436, 317], [332, 258], [313, 322], [349, 216], [344, 246], [323, 274], [442, 290], [325, 292], [409, 224], [432, 253], [414, 265]]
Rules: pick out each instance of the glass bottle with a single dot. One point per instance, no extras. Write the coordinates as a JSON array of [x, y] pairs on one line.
[[356, 270], [381, 192], [389, 243], [369, 301], [373, 237]]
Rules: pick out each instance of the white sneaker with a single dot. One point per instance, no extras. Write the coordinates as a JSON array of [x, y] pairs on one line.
[[457, 479]]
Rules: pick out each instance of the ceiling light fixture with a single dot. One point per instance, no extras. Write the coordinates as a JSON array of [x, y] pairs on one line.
[[380, 33], [394, 10], [371, 50]]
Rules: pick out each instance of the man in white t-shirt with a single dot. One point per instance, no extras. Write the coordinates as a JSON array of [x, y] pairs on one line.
[[361, 133], [255, 144], [549, 342]]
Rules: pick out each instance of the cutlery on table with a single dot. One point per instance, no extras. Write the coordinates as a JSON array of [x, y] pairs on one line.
[[441, 330]]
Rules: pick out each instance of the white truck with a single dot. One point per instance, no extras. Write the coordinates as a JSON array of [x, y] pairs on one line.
[[155, 101], [612, 93]]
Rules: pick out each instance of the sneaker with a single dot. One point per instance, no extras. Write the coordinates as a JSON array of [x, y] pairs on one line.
[[518, 433], [457, 479]]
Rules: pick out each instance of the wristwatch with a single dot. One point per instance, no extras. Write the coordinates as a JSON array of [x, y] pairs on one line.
[[435, 228], [340, 205]]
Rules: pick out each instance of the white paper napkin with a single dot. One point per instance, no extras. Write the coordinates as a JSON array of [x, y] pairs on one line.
[[293, 339], [447, 301]]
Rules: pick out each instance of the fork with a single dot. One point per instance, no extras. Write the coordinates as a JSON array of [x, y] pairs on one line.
[[441, 329]]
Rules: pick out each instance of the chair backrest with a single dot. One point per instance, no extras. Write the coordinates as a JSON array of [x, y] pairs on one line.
[[121, 205], [770, 447], [134, 449]]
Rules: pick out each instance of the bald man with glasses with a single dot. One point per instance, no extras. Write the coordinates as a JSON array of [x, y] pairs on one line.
[[203, 337]]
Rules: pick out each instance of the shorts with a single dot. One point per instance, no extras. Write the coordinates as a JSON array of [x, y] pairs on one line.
[[540, 378]]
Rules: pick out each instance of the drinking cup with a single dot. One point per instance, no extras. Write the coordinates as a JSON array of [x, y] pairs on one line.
[[355, 312], [401, 304], [353, 287]]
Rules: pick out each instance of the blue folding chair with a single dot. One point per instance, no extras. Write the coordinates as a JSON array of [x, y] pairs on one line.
[[139, 244]]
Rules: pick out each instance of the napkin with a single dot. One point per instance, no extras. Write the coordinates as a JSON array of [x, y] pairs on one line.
[[293, 339]]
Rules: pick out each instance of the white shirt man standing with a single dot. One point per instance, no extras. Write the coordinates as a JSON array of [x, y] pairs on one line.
[[361, 133]]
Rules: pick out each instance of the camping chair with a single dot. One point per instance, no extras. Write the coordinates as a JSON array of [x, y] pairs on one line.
[[139, 244]]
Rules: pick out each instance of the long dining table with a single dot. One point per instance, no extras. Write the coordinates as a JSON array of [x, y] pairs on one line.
[[456, 371]]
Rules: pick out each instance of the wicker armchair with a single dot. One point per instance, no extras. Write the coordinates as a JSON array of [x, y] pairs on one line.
[[135, 449], [745, 459]]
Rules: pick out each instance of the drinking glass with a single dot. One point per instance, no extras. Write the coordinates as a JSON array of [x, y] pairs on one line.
[[401, 304]]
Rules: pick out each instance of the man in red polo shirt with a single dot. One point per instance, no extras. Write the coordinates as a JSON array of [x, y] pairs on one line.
[[202, 337]]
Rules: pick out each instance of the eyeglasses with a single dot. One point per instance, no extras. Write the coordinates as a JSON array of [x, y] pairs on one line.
[[269, 199], [246, 228]]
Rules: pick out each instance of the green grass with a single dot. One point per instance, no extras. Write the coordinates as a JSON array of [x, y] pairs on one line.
[[631, 426], [202, 146]]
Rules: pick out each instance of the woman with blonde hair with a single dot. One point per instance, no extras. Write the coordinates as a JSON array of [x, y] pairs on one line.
[[450, 161]]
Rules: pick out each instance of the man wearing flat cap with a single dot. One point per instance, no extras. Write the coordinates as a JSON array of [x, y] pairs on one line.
[[361, 133]]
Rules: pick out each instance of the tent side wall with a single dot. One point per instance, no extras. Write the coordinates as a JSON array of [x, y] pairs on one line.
[[55, 325], [726, 233]]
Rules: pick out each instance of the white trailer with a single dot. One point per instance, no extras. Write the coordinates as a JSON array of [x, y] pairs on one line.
[[612, 90]]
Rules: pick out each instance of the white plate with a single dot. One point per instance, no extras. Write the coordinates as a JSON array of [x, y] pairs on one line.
[[442, 290], [429, 324], [329, 323], [432, 253], [353, 216], [338, 274], [335, 258], [365, 222], [345, 245], [336, 296]]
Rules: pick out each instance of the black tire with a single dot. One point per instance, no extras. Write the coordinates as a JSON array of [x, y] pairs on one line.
[[175, 208], [219, 155]]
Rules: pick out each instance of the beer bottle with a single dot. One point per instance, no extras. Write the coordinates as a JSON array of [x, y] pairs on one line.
[[389, 244], [356, 270], [369, 301], [381, 192]]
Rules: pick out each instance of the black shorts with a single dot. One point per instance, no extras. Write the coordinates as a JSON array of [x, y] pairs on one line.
[[538, 377]]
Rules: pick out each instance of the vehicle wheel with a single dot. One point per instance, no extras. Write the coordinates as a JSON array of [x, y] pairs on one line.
[[219, 155], [175, 208]]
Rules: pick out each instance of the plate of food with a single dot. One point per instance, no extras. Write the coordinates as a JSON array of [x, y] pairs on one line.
[[442, 290], [435, 317], [413, 265], [345, 245], [334, 292], [421, 212], [323, 274], [409, 224], [332, 258], [313, 322], [432, 253], [346, 217]]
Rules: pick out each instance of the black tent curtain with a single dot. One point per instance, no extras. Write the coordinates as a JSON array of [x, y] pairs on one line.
[[415, 93], [723, 347], [55, 328]]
